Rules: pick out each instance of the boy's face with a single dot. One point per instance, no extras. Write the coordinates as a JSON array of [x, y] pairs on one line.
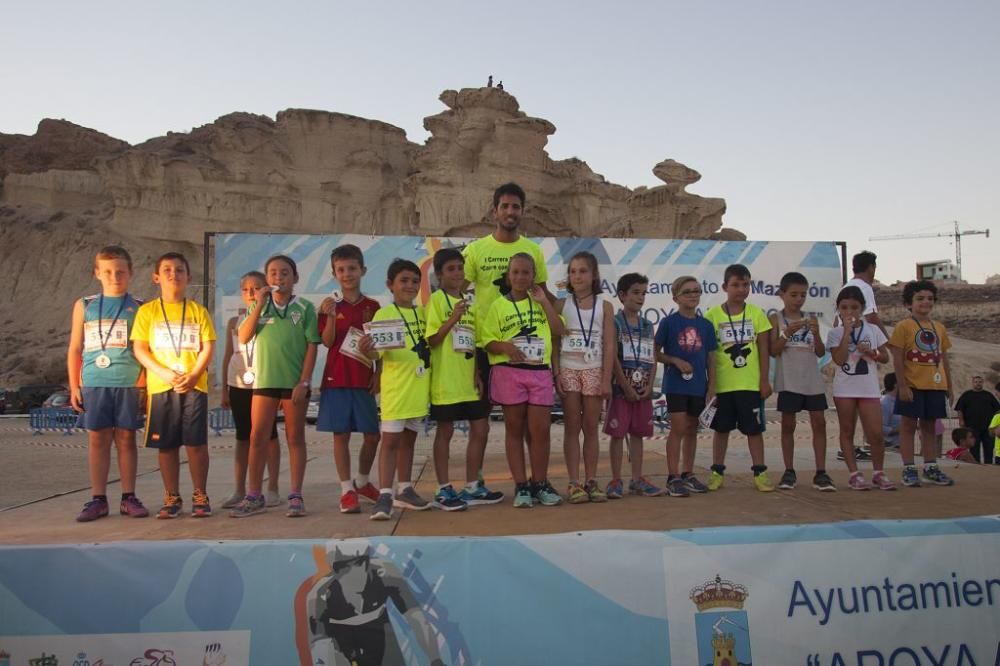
[[114, 276], [689, 295], [452, 275], [281, 275], [737, 289], [405, 286], [248, 290], [923, 303], [634, 298], [969, 441], [172, 276], [794, 297], [348, 273]]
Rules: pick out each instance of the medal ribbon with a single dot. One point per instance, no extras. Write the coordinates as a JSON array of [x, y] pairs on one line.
[[407, 324], [732, 326], [283, 313], [520, 319], [100, 316], [636, 349], [179, 343], [590, 331]]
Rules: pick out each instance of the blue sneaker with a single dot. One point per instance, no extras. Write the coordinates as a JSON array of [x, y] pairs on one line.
[[447, 499], [615, 489], [643, 487], [910, 477], [546, 495], [934, 475], [481, 495], [522, 497]]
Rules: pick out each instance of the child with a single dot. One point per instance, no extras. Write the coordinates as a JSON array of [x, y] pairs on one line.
[[284, 328], [742, 363], [919, 348], [173, 337], [583, 369], [396, 335], [517, 334], [238, 361], [964, 439], [855, 347], [347, 400], [685, 341], [103, 378], [457, 392], [631, 411], [796, 344]]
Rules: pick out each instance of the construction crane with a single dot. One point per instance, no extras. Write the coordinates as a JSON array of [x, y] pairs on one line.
[[956, 235]]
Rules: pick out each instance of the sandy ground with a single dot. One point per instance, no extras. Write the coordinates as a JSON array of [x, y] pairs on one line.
[[44, 484]]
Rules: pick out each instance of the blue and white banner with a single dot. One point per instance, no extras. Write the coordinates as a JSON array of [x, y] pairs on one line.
[[889, 593], [662, 260]]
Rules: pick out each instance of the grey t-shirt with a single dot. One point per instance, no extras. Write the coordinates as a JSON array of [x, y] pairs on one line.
[[796, 368]]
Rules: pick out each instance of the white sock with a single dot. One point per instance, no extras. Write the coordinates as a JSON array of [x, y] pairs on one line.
[[361, 480], [385, 491], [403, 485], [345, 487], [471, 486]]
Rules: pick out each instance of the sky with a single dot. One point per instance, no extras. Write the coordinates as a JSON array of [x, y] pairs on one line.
[[814, 120]]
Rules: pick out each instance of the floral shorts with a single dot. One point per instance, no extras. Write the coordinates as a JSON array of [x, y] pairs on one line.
[[584, 382]]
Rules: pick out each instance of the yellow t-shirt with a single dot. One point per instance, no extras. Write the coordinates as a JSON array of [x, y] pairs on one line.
[[453, 378], [994, 424], [507, 319], [737, 361], [405, 395], [486, 261], [166, 337], [923, 347]]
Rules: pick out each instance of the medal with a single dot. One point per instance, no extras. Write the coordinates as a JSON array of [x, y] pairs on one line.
[[589, 355], [178, 367], [420, 370], [337, 297], [687, 376], [637, 376], [740, 361], [249, 377], [102, 361], [937, 377]]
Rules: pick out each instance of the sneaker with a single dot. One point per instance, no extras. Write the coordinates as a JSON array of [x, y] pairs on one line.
[[762, 482], [677, 488], [616, 489], [349, 502], [934, 475], [594, 492], [840, 456], [272, 498], [481, 495], [788, 480], [522, 497], [233, 500], [862, 453], [823, 483], [171, 508], [857, 482], [296, 506], [133, 507], [642, 486], [882, 482], [910, 477], [693, 484], [575, 494], [249, 506], [367, 493], [383, 507], [200, 507], [94, 509], [547, 495], [447, 499], [715, 480], [409, 499]]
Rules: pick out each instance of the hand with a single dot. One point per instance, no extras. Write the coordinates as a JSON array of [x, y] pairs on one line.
[[905, 393], [373, 384], [185, 382], [865, 347], [814, 328], [537, 294], [683, 366], [328, 307], [630, 393], [849, 323], [365, 345], [300, 393], [709, 397], [168, 375], [515, 354], [261, 296], [796, 325], [461, 307], [765, 389], [76, 398], [559, 387], [606, 389], [225, 397]]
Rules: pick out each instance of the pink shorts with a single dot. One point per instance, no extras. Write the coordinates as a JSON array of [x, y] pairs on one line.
[[516, 386], [584, 382], [629, 418]]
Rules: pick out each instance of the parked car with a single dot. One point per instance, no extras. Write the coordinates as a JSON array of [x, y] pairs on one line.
[[33, 395], [57, 399]]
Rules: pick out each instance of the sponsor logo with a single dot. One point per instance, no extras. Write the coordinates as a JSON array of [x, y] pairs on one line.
[[4, 658], [155, 657], [721, 625], [44, 660]]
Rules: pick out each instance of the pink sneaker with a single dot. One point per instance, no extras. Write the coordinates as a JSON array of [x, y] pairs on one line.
[[882, 482], [367, 492], [857, 482]]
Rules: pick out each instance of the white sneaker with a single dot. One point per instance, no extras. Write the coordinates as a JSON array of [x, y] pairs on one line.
[[232, 501], [272, 498]]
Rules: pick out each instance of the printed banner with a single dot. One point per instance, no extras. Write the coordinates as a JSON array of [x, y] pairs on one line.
[[856, 593], [661, 260]]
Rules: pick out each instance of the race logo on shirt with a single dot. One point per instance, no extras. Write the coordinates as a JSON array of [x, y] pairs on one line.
[[689, 340]]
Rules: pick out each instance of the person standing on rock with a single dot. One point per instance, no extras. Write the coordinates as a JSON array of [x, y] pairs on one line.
[[863, 265], [975, 408]]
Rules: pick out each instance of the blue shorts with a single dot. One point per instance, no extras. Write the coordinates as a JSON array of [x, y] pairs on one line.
[[926, 404], [347, 410], [110, 407]]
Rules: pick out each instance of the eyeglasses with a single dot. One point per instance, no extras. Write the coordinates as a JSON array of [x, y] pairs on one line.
[[690, 292]]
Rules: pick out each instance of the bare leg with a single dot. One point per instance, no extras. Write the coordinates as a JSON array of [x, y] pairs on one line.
[[907, 428], [591, 443], [928, 440], [615, 453], [572, 408], [262, 413], [689, 443], [847, 416], [369, 447], [788, 439], [538, 428], [442, 444], [475, 454], [404, 455], [635, 455], [127, 458], [295, 433], [871, 424], [240, 463], [514, 417], [273, 464], [197, 457], [678, 431], [756, 444], [817, 421], [99, 460], [342, 455], [720, 442], [170, 470]]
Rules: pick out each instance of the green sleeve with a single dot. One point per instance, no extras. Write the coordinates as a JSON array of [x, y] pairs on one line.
[[312, 324], [489, 331], [434, 314]]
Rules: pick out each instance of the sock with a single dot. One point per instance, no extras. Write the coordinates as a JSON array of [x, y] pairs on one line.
[[472, 486], [125, 496], [685, 475], [346, 487], [822, 471], [721, 469], [403, 485], [789, 469], [758, 469], [671, 477], [385, 491], [361, 480], [103, 497]]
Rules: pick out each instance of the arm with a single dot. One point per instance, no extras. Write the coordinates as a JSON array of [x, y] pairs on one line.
[[226, 356], [501, 348], [448, 324], [882, 354], [776, 340], [328, 309], [248, 328], [308, 364], [189, 380], [143, 354], [541, 296], [74, 357], [946, 365], [903, 393], [841, 352], [765, 364], [610, 351], [818, 347], [710, 364], [623, 381]]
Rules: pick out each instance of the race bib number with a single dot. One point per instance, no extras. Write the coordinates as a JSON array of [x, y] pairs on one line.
[[800, 339], [387, 334], [168, 339], [92, 334], [463, 339], [646, 351], [349, 347], [575, 343], [737, 333], [533, 348]]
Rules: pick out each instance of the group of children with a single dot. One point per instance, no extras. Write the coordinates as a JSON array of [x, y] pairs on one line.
[[453, 359]]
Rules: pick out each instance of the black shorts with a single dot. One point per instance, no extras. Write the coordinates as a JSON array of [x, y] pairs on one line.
[[461, 411], [926, 404], [739, 409], [277, 393], [177, 419], [692, 405], [790, 402], [239, 403], [483, 367]]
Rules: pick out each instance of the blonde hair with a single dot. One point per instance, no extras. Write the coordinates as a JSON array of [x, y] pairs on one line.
[[676, 285]]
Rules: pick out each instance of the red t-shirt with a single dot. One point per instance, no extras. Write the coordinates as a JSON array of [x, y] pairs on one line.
[[343, 371]]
